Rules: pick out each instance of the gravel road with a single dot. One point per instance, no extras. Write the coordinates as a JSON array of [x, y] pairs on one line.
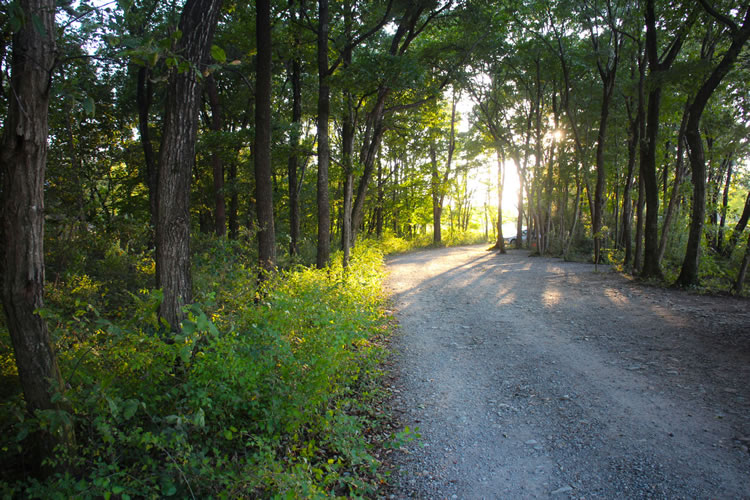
[[531, 377]]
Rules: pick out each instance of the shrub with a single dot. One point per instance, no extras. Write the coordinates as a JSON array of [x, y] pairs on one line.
[[261, 392]]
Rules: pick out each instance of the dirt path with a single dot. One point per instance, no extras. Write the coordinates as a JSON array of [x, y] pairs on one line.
[[531, 377]]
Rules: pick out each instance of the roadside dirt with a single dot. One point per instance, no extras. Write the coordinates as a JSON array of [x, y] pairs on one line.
[[531, 377]]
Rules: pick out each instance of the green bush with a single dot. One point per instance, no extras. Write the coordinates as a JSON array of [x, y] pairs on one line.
[[261, 392]]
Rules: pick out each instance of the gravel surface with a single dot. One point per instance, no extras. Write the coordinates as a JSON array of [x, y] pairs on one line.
[[532, 377]]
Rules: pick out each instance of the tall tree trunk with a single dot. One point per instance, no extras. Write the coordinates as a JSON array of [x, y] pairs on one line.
[[144, 92], [640, 223], [217, 164], [176, 159], [23, 159], [294, 137], [324, 152], [500, 243], [724, 204], [737, 232], [435, 187], [576, 215], [608, 86], [607, 73], [437, 183], [674, 198], [368, 154], [347, 145], [657, 70], [519, 220], [263, 186], [689, 272], [381, 198], [651, 268], [627, 204]]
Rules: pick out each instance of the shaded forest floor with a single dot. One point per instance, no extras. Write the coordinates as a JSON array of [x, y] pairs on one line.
[[534, 377]]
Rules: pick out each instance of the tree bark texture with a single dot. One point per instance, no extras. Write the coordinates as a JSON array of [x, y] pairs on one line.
[[263, 186], [177, 157], [689, 272], [640, 207], [324, 150], [295, 75], [23, 160], [657, 70]]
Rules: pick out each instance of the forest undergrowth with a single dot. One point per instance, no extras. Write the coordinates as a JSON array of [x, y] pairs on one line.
[[261, 393]]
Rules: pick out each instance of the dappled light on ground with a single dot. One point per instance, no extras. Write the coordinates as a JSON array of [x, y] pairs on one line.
[[530, 377]]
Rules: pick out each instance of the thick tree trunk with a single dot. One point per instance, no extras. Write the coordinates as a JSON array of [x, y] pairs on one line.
[[324, 152], [657, 70], [217, 164], [263, 186], [651, 268], [176, 160], [689, 272], [639, 209], [23, 159]]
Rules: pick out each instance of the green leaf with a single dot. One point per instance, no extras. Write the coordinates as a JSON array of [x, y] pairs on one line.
[[124, 5], [167, 487], [218, 54], [199, 419], [186, 353], [22, 434], [112, 405], [129, 408], [188, 328]]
